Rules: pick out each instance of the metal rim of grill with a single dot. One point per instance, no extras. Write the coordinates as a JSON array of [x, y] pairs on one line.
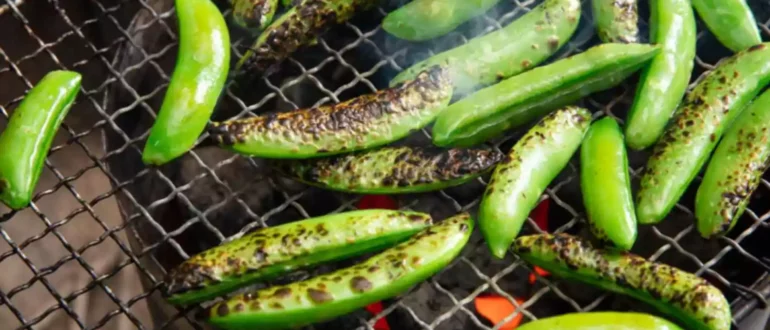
[[362, 54]]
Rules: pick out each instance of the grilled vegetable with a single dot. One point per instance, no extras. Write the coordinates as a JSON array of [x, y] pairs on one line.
[[606, 184], [385, 275], [520, 179], [696, 127], [731, 21], [421, 20], [734, 170], [364, 122], [518, 47], [664, 82], [25, 142], [528, 96], [274, 251], [254, 14], [616, 20], [393, 170], [601, 320], [199, 76], [683, 296], [298, 27]]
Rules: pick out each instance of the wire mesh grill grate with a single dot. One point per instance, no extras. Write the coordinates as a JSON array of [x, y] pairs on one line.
[[170, 213]]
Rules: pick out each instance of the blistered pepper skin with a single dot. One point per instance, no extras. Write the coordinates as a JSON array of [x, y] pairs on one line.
[[731, 21], [606, 185], [382, 276], [695, 129], [684, 297], [26, 140], [393, 170], [664, 81], [274, 251], [601, 321], [363, 122], [422, 20], [520, 46], [519, 180], [523, 98], [199, 76], [616, 20], [735, 169], [254, 14]]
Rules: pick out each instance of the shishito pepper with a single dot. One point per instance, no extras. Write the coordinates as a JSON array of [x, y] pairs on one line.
[[731, 21], [25, 142], [601, 321], [253, 14], [426, 19], [616, 20]]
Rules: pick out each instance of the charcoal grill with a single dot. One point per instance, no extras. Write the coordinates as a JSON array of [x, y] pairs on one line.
[[126, 50]]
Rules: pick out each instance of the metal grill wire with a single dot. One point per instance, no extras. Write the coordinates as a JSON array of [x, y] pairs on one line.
[[142, 254]]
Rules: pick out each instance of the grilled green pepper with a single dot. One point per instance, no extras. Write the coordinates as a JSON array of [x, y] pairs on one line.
[[606, 184], [731, 21], [601, 320], [363, 122], [274, 251], [518, 47], [421, 20], [393, 170], [616, 20], [384, 275], [199, 76], [520, 179], [663, 82], [25, 142], [683, 296], [527, 96], [299, 26], [734, 170], [696, 127], [254, 14]]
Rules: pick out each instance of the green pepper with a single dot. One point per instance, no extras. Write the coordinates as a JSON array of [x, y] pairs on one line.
[[299, 26], [616, 20], [695, 129], [664, 82], [270, 252], [421, 20], [606, 184], [25, 142], [393, 170], [254, 14], [390, 273], [731, 21], [735, 169], [684, 297], [525, 97], [600, 321], [363, 122], [520, 179], [518, 47], [198, 79]]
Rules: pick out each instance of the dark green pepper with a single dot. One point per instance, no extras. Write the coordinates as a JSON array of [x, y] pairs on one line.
[[421, 20], [731, 21], [201, 69], [601, 321], [684, 297], [393, 170], [25, 142], [382, 276], [616, 20], [274, 251], [254, 14]]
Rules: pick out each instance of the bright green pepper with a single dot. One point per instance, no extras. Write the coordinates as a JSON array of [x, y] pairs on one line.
[[734, 170], [523, 98], [664, 82], [274, 251], [731, 21], [253, 14], [25, 142], [616, 20], [518, 47], [421, 20], [695, 129], [606, 184], [382, 276], [520, 179], [198, 79], [601, 321], [684, 297]]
